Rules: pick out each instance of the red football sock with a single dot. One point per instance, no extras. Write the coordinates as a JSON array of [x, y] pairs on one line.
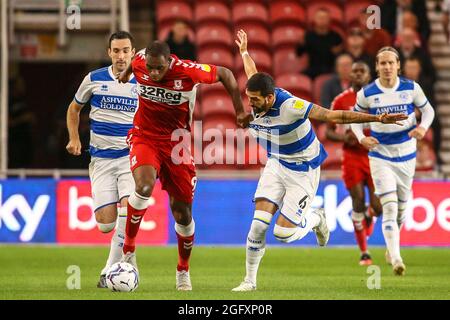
[[372, 216], [360, 235], [185, 245], [134, 218]]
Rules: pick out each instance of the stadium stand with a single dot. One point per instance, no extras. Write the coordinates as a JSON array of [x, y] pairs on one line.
[[209, 12], [274, 28]]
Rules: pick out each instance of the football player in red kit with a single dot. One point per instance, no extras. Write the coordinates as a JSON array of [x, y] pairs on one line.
[[167, 89], [355, 164]]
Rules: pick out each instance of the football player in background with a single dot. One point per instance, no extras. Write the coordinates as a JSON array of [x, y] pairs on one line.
[[355, 163], [113, 106], [392, 149]]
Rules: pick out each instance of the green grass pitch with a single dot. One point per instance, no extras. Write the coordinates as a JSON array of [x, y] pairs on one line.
[[38, 272]]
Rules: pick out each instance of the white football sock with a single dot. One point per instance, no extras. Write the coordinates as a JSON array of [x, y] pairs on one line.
[[357, 218], [287, 235], [390, 228], [256, 243], [401, 213], [115, 252]]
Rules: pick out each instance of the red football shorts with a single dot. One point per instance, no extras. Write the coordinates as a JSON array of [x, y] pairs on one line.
[[355, 170], [178, 180]]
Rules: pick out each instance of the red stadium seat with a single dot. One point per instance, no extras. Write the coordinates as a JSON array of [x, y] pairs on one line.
[[426, 156], [214, 34], [287, 12], [216, 55], [336, 13], [206, 89], [249, 11], [318, 84], [299, 85], [164, 31], [242, 81], [217, 104], [168, 11], [197, 115], [212, 12], [353, 9], [287, 36], [257, 34], [286, 61], [218, 123], [334, 159], [219, 152], [251, 155], [225, 2], [320, 129], [262, 58]]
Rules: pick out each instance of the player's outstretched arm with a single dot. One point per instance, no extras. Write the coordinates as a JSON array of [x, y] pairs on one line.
[[73, 121], [229, 82], [340, 116], [249, 64]]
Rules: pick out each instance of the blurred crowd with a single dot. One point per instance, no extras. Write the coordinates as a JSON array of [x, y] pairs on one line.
[[329, 53]]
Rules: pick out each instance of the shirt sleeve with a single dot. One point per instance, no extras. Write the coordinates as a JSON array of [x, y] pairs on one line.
[[419, 98], [202, 73], [297, 108], [84, 92], [335, 104], [361, 102]]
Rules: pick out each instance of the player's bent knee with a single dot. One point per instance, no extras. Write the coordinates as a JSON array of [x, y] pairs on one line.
[[106, 227], [284, 234], [145, 188]]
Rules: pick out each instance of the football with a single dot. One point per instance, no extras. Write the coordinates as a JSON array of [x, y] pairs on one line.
[[122, 277]]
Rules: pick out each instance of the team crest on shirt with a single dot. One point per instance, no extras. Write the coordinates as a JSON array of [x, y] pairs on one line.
[[177, 84], [404, 96], [134, 91], [145, 77]]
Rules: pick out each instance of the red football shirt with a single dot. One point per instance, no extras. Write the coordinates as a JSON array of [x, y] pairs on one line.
[[346, 101], [168, 105]]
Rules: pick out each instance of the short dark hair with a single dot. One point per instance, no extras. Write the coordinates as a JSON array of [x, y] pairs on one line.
[[362, 63], [158, 48], [323, 9], [412, 58], [121, 35], [261, 82]]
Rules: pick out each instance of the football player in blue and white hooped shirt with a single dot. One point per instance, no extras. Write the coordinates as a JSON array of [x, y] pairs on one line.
[[290, 179], [113, 106], [392, 149]]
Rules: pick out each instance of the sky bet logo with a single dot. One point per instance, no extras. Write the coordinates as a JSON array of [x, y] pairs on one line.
[[27, 211]]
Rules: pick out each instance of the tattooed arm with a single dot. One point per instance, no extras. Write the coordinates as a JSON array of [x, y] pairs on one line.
[[340, 116]]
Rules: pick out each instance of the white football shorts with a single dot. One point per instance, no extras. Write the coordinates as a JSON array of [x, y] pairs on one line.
[[292, 191], [111, 180], [391, 177]]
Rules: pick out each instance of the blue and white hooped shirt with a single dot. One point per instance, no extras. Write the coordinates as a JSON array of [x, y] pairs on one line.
[[287, 134], [395, 144], [113, 106]]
